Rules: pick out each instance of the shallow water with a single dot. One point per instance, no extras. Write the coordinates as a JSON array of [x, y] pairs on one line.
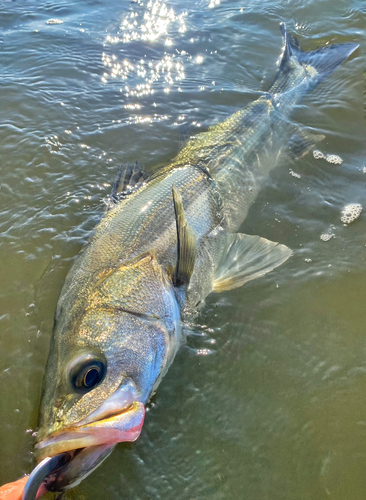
[[266, 400]]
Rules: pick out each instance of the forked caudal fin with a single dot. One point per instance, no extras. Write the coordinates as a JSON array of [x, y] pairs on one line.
[[298, 67]]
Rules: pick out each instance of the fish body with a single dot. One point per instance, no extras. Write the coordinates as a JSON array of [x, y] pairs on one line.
[[163, 246]]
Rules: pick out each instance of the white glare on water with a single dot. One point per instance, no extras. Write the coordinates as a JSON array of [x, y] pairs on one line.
[[148, 24]]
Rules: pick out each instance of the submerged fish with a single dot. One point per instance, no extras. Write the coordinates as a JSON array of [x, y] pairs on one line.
[[166, 243]]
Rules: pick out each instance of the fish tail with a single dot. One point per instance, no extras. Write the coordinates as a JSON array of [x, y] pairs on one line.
[[307, 69]]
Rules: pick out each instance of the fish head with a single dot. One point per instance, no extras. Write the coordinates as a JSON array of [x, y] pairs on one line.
[[113, 341]]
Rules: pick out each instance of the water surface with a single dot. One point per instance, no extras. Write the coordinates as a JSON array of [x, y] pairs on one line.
[[266, 400]]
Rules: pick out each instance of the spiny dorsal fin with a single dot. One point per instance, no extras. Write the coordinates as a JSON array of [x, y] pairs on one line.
[[245, 258], [187, 244], [128, 180]]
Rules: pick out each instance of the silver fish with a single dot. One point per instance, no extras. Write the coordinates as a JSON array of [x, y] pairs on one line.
[[166, 242]]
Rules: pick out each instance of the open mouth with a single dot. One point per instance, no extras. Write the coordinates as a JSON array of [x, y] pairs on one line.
[[80, 464], [64, 471], [114, 428]]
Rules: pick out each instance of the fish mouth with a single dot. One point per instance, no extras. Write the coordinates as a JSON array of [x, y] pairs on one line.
[[79, 464], [126, 425]]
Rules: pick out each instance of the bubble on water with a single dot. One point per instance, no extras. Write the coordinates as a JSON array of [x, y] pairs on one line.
[[318, 154], [327, 236], [351, 212], [330, 158], [54, 21], [294, 174], [364, 169], [336, 160], [308, 260]]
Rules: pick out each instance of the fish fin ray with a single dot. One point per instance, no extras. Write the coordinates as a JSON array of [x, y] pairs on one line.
[[301, 139], [302, 142], [245, 258], [318, 64], [291, 46], [129, 178], [186, 243]]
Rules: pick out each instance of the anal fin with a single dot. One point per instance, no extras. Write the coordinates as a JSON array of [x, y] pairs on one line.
[[302, 142], [186, 244], [246, 258]]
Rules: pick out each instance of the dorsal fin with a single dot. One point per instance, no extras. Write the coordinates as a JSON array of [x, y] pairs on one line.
[[186, 243], [128, 180]]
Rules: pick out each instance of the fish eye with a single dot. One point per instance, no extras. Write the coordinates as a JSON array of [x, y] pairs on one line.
[[86, 372], [92, 376]]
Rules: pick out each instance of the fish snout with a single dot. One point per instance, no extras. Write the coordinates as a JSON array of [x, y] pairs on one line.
[[87, 445], [107, 428]]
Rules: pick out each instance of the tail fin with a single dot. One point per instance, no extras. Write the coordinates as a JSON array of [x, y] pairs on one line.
[[311, 68]]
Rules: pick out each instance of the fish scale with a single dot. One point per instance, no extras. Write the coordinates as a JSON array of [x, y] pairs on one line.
[[145, 221]]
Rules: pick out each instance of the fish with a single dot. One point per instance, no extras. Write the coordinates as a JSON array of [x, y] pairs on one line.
[[165, 243]]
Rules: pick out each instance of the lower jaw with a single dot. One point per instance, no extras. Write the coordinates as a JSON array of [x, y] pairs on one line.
[[89, 445], [110, 431], [83, 462], [87, 441], [122, 427]]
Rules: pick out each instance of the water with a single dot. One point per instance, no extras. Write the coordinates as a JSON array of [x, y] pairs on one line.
[[266, 400]]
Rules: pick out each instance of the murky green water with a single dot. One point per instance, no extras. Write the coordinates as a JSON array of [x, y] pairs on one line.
[[267, 400]]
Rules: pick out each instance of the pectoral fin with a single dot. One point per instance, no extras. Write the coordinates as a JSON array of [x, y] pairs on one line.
[[302, 142], [245, 258], [186, 244]]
